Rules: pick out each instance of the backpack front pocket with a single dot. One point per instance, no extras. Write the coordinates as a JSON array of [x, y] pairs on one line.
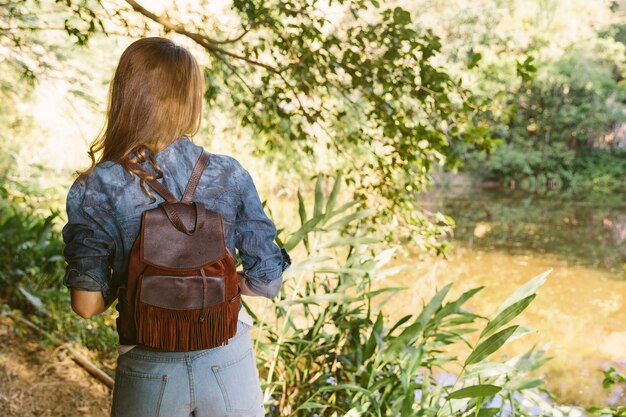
[[182, 313], [181, 293]]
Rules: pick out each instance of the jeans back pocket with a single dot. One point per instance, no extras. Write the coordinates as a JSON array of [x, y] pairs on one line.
[[137, 395], [239, 382]]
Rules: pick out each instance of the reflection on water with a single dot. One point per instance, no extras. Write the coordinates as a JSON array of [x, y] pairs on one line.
[[502, 241], [585, 232]]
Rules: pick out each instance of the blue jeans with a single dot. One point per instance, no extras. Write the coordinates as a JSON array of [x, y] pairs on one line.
[[222, 381]]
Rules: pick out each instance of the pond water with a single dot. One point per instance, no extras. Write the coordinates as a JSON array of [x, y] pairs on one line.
[[501, 241]]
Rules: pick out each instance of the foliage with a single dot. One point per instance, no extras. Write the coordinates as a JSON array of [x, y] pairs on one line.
[[350, 85], [29, 250], [549, 76], [556, 135], [599, 171], [611, 378], [573, 100], [31, 276], [332, 352], [556, 169]]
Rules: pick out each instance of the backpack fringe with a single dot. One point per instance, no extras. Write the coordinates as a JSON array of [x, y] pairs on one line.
[[181, 330]]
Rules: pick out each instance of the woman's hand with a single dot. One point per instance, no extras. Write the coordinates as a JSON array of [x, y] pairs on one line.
[[88, 303]]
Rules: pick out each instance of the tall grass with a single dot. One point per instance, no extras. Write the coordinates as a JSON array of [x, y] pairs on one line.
[[332, 352]]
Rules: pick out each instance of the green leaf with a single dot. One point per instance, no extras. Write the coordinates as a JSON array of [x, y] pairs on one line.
[[315, 299], [399, 323], [453, 306], [390, 290], [342, 208], [475, 391], [530, 360], [356, 411], [488, 412], [332, 198], [302, 233], [303, 219], [524, 291], [309, 262], [490, 345], [375, 338], [319, 197], [334, 270], [506, 315], [488, 370], [474, 59], [344, 387], [401, 16], [452, 407], [433, 305], [415, 361], [609, 411], [357, 215], [301, 208], [407, 403], [310, 405], [350, 241], [520, 332], [383, 273], [404, 339], [523, 383]]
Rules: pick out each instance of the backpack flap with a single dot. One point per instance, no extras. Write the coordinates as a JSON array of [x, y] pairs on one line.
[[181, 236]]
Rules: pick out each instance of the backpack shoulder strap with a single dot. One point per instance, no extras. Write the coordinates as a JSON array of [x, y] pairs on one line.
[[196, 174], [153, 183]]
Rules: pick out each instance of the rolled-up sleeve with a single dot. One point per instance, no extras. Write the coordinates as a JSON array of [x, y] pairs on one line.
[[88, 245], [263, 261]]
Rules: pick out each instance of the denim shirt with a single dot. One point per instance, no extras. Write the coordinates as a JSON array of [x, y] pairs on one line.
[[104, 215]]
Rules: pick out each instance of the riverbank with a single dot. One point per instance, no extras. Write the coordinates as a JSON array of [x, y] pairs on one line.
[[500, 240]]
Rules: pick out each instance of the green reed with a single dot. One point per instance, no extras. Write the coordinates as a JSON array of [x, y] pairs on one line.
[[328, 349]]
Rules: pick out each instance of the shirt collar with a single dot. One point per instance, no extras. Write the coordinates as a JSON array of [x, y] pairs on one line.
[[174, 146]]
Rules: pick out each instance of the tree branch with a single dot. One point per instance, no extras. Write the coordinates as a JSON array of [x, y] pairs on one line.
[[58, 29], [236, 74], [237, 38], [9, 29], [202, 40]]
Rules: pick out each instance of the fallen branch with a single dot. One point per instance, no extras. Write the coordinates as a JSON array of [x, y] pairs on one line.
[[78, 358], [90, 367]]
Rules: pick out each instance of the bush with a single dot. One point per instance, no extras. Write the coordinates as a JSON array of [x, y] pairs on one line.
[[596, 171], [31, 277], [30, 253], [332, 352]]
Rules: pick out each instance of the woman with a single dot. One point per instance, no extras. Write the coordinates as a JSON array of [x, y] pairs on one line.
[[155, 105]]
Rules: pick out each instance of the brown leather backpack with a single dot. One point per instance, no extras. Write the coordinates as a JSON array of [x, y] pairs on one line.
[[182, 292]]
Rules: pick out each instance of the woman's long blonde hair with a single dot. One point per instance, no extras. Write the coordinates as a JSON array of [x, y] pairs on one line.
[[155, 98]]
